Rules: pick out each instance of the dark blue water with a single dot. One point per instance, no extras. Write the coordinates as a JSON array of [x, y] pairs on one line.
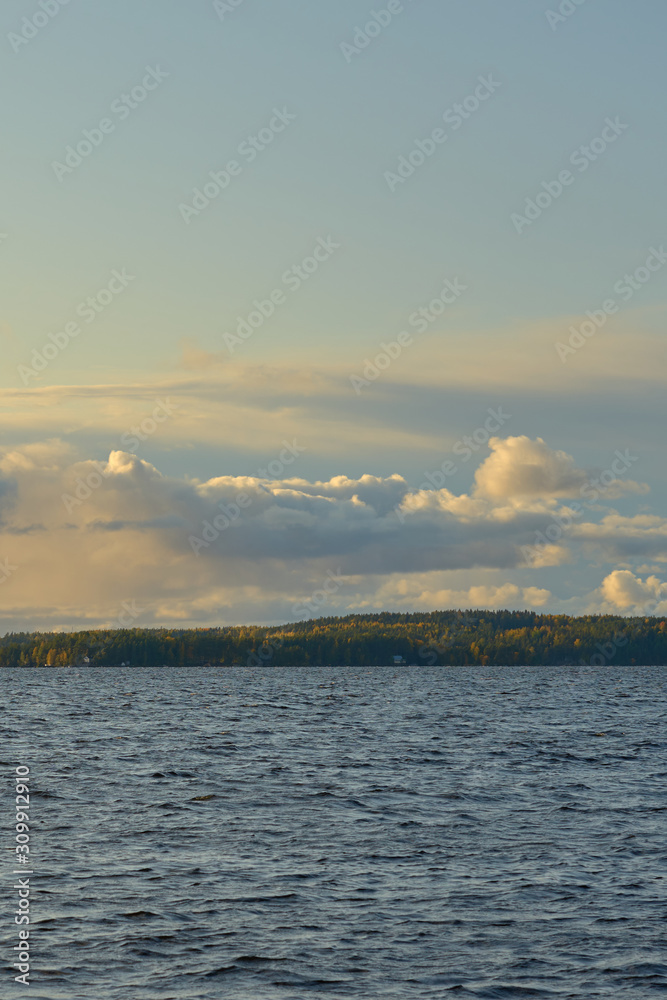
[[301, 833]]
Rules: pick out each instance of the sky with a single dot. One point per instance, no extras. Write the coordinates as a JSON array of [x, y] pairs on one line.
[[320, 308]]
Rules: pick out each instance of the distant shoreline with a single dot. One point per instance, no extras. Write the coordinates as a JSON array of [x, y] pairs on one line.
[[386, 639]]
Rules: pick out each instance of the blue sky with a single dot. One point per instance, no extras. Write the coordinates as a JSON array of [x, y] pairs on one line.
[[221, 76]]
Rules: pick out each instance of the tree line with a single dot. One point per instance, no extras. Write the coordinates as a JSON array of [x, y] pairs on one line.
[[447, 638]]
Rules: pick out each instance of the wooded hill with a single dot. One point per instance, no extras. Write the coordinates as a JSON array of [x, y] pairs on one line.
[[439, 637]]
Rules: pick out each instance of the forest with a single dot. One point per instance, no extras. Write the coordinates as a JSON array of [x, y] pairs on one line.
[[446, 638]]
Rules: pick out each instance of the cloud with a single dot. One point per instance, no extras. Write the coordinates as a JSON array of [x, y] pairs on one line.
[[631, 348], [87, 535], [628, 593], [422, 592], [521, 468], [619, 539]]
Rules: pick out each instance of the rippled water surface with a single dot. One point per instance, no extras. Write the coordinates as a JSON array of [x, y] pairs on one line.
[[285, 834]]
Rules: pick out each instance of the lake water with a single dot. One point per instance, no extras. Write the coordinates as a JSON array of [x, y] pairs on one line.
[[285, 834]]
